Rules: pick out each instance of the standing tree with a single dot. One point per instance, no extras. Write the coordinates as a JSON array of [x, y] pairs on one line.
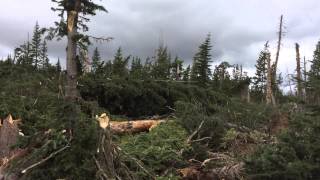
[[201, 71], [314, 77], [119, 65], [161, 69], [58, 66], [43, 56], [299, 76], [136, 68], [77, 12], [96, 61], [274, 66], [186, 74], [176, 69], [260, 79], [36, 45]]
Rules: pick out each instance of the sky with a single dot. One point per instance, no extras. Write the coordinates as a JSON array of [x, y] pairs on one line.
[[239, 28]]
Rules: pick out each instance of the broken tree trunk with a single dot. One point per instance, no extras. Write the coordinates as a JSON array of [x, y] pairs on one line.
[[269, 95], [133, 126], [299, 76], [9, 133]]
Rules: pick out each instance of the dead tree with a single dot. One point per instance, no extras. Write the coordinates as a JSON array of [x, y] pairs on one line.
[[275, 64], [269, 95], [299, 77]]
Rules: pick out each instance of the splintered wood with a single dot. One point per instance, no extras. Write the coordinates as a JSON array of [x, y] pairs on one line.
[[127, 126], [9, 133]]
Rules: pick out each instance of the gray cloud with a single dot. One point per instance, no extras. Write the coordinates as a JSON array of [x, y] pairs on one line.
[[239, 28]]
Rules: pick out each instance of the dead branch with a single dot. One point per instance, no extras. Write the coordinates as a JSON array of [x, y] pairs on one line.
[[45, 159], [195, 133]]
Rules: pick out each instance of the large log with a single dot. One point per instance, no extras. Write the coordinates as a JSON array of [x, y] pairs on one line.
[[133, 126], [123, 127]]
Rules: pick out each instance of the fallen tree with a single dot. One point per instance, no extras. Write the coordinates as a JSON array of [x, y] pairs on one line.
[[123, 127]]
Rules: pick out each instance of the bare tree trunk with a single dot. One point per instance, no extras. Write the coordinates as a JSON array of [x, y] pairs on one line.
[[269, 95], [280, 33], [72, 20], [275, 64], [305, 78], [299, 78]]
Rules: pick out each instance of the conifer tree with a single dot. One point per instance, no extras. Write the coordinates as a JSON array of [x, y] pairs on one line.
[[43, 56], [77, 12], [96, 61], [108, 69], [201, 71], [260, 78], [161, 69], [58, 66], [23, 54], [119, 65], [136, 68], [36, 45], [314, 76], [176, 69], [186, 74]]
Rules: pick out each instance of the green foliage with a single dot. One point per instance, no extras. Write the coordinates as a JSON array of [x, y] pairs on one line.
[[120, 65], [96, 62], [158, 150], [201, 71], [191, 115], [161, 69], [314, 77], [260, 78], [295, 156]]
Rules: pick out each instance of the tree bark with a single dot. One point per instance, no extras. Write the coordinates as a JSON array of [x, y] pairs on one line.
[[133, 126], [280, 33], [72, 20], [299, 77], [269, 95]]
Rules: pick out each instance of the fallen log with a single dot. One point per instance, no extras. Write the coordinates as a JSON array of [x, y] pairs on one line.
[[123, 127], [133, 126]]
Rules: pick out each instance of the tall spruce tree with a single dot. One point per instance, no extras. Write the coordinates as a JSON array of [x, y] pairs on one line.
[[176, 69], [120, 65], [161, 69], [314, 76], [136, 68], [23, 54], [43, 56], [201, 71], [58, 66], [96, 61], [186, 74], [36, 45], [77, 12], [260, 78]]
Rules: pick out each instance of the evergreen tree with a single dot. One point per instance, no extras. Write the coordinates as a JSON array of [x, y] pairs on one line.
[[108, 69], [73, 18], [220, 74], [58, 66], [201, 71], [23, 54], [314, 76], [96, 61], [176, 69], [119, 65], [36, 46], [260, 79], [43, 56], [186, 74], [136, 68], [161, 69]]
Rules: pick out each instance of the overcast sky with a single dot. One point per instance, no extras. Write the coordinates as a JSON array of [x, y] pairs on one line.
[[239, 28]]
